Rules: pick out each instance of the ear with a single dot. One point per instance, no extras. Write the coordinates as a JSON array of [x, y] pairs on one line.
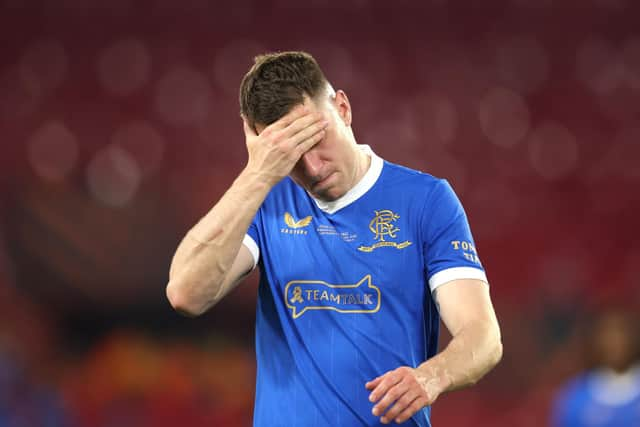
[[342, 106]]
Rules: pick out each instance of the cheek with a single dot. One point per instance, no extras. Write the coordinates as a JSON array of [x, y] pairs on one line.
[[297, 174]]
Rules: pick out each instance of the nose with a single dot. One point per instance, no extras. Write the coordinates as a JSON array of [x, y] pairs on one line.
[[312, 164]]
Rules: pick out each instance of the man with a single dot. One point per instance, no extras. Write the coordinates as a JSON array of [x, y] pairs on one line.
[[608, 394], [359, 259]]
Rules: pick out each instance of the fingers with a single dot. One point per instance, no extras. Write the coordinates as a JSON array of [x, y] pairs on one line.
[[293, 115], [383, 383], [400, 405], [414, 406], [311, 132], [275, 150], [373, 383], [396, 394], [393, 393], [296, 113], [304, 127], [308, 143]]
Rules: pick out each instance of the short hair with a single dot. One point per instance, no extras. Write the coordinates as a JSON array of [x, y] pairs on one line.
[[276, 83]]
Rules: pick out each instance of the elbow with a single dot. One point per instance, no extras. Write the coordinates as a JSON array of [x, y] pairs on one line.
[[493, 356], [182, 302], [496, 348], [497, 353]]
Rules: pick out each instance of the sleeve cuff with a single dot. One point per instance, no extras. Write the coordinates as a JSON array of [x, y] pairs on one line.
[[455, 273], [253, 248]]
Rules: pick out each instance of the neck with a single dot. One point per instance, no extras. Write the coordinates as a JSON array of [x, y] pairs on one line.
[[361, 166]]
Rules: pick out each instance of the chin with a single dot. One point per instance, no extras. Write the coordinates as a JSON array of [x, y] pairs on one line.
[[329, 195], [327, 198]]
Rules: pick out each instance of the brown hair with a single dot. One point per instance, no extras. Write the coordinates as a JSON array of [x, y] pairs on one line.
[[276, 83]]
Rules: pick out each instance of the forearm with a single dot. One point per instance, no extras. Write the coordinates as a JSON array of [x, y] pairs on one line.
[[203, 268], [466, 310], [208, 250], [472, 353]]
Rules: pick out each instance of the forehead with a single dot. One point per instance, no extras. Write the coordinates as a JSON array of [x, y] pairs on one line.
[[321, 104]]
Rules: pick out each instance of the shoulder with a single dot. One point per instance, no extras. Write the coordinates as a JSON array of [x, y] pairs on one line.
[[429, 193], [397, 174], [574, 388]]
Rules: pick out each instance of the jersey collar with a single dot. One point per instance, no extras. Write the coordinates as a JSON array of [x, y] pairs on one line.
[[364, 185]]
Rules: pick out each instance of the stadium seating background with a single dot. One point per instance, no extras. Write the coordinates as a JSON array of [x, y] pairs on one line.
[[119, 127]]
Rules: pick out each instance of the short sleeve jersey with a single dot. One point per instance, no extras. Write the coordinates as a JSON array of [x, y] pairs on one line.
[[345, 291], [599, 398]]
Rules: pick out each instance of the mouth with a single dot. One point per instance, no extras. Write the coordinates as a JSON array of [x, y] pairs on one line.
[[319, 183]]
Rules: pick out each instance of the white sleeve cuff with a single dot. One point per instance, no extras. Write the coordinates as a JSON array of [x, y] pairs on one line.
[[455, 273], [253, 248]]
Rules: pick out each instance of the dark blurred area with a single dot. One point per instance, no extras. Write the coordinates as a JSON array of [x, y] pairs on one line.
[[119, 128], [607, 393]]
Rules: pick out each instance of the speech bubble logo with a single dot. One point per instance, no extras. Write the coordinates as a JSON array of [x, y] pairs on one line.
[[304, 295]]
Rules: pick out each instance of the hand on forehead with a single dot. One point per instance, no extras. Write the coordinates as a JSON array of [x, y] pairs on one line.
[[308, 108], [299, 117]]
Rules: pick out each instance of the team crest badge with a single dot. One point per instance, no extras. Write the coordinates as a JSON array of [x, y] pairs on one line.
[[384, 230]]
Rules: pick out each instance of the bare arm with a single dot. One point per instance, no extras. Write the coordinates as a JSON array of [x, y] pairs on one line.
[[210, 260], [475, 348]]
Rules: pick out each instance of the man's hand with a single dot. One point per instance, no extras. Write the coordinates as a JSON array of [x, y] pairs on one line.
[[475, 348], [275, 151], [400, 393]]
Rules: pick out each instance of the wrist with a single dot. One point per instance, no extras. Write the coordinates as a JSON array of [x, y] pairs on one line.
[[254, 181], [249, 189], [257, 179], [434, 380]]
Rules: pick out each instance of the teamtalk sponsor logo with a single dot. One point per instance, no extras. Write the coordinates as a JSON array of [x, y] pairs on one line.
[[304, 295], [383, 227], [468, 250], [294, 226]]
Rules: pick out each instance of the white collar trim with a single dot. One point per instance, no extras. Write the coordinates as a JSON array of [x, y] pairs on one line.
[[615, 389], [364, 185]]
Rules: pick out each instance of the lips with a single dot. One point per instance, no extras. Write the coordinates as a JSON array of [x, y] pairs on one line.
[[322, 181]]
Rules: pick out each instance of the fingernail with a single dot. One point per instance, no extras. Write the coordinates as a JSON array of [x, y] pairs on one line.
[[383, 420], [374, 411], [371, 399]]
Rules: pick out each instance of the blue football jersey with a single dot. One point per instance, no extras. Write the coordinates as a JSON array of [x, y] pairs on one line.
[[345, 291], [599, 398]]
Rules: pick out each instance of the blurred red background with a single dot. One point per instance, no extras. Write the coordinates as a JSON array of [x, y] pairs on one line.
[[119, 128]]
